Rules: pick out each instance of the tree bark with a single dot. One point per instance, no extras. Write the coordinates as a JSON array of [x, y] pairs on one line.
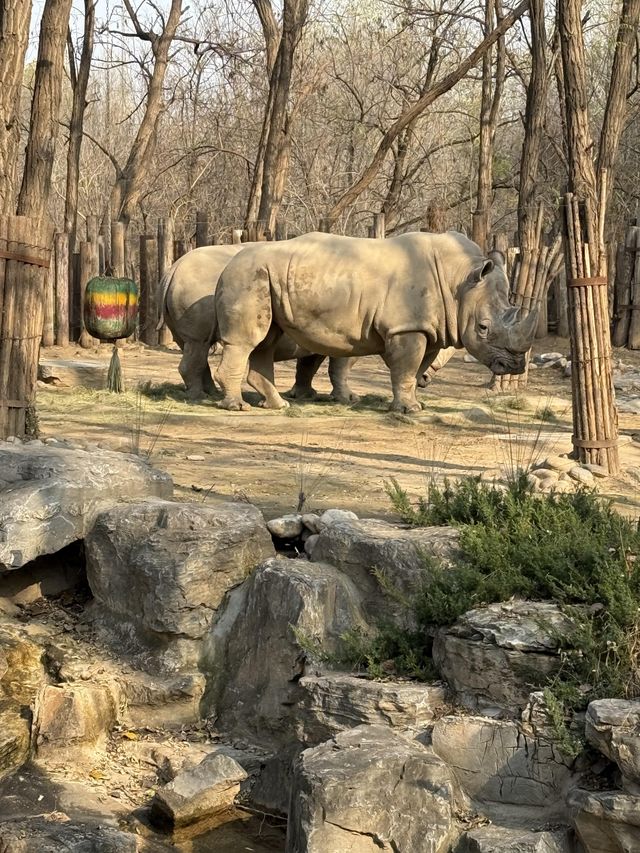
[[418, 108], [490, 107], [128, 188], [14, 35], [80, 81], [45, 108], [616, 109]]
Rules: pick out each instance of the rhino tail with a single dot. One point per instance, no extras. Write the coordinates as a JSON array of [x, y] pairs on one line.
[[163, 289]]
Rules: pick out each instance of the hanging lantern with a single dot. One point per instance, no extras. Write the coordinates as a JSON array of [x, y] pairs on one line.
[[110, 313]]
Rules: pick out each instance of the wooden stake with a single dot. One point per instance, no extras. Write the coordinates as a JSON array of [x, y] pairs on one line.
[[61, 260]]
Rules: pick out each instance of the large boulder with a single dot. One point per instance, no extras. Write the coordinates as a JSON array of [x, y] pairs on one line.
[[371, 789], [50, 496], [159, 571], [504, 839], [606, 821], [497, 655], [332, 703], [72, 716], [496, 762], [379, 557], [274, 628], [613, 727]]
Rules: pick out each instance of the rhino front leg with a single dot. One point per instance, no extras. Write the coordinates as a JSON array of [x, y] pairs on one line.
[[339, 371], [403, 356], [306, 368], [194, 369]]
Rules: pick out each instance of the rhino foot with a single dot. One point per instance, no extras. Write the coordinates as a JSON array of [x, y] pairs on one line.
[[405, 408], [278, 405], [301, 393], [346, 398], [195, 394], [233, 405], [423, 380]]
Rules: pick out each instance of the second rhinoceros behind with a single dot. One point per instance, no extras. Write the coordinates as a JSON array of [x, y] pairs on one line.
[[404, 298]]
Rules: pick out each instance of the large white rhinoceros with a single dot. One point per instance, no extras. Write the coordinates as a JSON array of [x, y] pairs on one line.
[[405, 298], [188, 305]]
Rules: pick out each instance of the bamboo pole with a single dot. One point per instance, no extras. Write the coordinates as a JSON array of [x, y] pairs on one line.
[[595, 428]]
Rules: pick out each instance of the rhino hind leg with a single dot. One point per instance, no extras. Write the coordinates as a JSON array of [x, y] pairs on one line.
[[261, 375], [339, 371], [194, 369], [306, 368], [230, 374], [403, 356]]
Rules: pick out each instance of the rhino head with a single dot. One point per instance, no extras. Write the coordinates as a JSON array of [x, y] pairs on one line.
[[490, 328]]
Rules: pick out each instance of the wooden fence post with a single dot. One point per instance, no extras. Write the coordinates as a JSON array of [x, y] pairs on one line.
[[165, 260], [27, 242], [148, 289], [202, 228], [179, 249], [379, 231], [93, 228], [324, 225], [236, 236], [61, 245], [48, 326], [88, 269], [118, 268]]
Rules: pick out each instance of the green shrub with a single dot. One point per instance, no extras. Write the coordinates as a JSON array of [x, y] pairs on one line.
[[574, 549]]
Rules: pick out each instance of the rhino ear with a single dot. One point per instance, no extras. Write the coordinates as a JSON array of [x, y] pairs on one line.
[[482, 270], [497, 257]]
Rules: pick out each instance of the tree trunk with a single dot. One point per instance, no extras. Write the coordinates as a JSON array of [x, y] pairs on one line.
[[129, 183], [79, 81], [276, 152], [490, 106], [14, 35], [45, 108]]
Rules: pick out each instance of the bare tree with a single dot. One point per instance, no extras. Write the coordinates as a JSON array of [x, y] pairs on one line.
[[418, 107], [45, 108], [492, 87], [79, 83], [130, 179], [14, 35]]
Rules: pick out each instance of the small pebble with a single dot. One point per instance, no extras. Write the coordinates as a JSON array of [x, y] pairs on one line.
[[195, 457]]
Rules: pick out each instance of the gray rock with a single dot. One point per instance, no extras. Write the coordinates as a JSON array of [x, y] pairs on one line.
[[597, 470], [209, 788], [287, 615], [469, 359], [375, 554], [72, 716], [15, 736], [502, 839], [558, 463], [311, 521], [52, 496], [159, 570], [44, 835], [495, 762], [286, 527], [547, 356], [581, 475], [334, 516], [310, 544], [628, 382], [496, 655], [613, 727], [606, 821], [634, 473], [335, 702], [371, 789]]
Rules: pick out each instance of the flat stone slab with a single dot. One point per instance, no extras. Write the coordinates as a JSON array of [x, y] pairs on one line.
[[50, 495]]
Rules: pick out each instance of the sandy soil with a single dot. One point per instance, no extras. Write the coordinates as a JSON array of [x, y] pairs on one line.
[[334, 455]]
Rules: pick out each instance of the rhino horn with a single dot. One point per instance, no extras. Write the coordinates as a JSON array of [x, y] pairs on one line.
[[521, 330]]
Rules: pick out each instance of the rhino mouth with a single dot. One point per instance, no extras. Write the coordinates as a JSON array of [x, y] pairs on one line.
[[502, 364]]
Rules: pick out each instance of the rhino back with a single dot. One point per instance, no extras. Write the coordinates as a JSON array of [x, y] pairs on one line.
[[344, 295], [189, 291]]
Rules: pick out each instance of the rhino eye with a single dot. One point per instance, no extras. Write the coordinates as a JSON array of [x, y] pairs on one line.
[[483, 329]]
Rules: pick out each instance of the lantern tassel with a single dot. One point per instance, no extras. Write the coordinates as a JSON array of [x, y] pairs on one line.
[[115, 379]]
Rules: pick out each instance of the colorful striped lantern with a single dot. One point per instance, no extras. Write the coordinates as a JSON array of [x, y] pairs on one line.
[[110, 313]]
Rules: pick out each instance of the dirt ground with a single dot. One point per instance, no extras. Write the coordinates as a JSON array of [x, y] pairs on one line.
[[332, 455]]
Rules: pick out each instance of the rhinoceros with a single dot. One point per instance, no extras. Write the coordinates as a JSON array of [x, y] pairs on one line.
[[405, 298], [188, 303]]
